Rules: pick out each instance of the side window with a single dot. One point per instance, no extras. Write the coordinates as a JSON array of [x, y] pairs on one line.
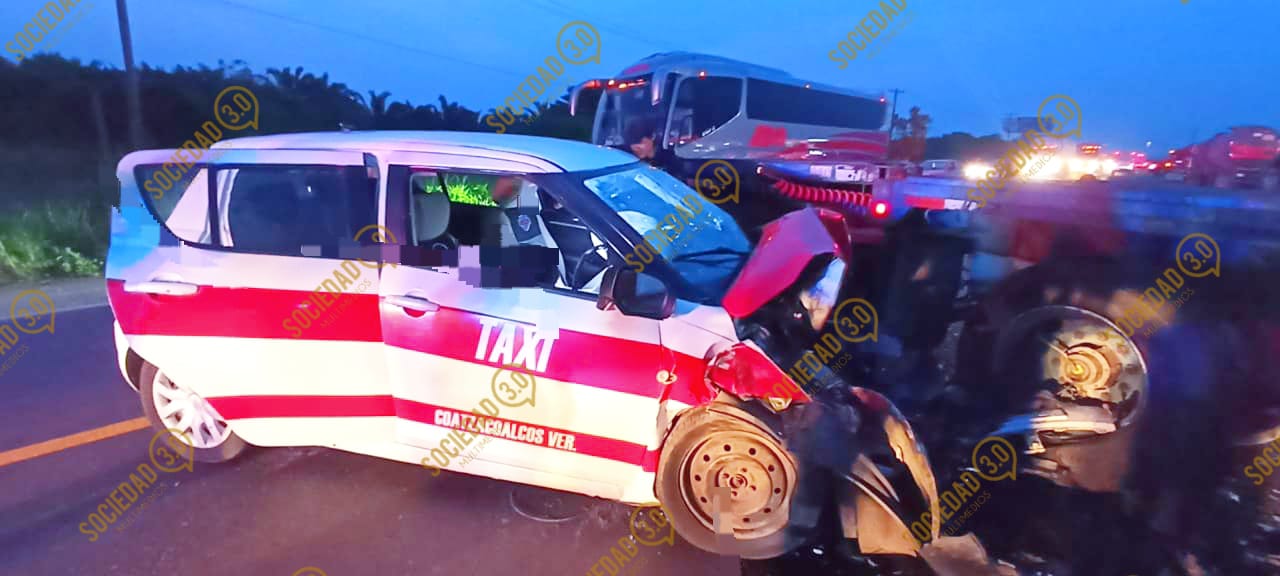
[[776, 102], [702, 105], [460, 209], [181, 205], [583, 256], [286, 209]]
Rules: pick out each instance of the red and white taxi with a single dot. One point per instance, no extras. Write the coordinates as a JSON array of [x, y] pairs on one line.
[[365, 291]]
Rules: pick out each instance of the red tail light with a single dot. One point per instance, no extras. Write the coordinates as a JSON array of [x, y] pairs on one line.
[[880, 209]]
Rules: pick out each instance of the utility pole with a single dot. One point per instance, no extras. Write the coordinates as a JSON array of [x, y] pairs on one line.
[[892, 115], [131, 78]]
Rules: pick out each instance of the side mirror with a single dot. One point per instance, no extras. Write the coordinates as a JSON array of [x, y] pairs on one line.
[[635, 294]]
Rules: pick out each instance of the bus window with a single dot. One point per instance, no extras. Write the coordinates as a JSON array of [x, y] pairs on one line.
[[774, 102], [702, 105]]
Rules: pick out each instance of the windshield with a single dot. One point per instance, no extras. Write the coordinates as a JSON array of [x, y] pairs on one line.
[[629, 116], [701, 241]]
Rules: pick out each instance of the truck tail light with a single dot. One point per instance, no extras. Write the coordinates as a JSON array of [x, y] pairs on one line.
[[880, 209]]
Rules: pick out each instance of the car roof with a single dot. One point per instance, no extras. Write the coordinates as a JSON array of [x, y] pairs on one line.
[[569, 155]]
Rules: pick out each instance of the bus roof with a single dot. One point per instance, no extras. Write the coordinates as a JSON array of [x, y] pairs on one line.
[[691, 64]]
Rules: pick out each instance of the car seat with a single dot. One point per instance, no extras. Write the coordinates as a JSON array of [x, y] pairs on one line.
[[431, 221]]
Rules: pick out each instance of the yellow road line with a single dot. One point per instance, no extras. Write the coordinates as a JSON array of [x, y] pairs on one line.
[[67, 442]]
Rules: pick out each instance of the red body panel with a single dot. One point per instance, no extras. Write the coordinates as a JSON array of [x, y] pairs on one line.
[[787, 245], [747, 373]]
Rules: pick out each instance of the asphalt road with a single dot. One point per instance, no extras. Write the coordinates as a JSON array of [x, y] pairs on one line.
[[272, 512]]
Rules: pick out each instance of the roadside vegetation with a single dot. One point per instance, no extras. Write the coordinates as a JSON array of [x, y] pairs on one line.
[[57, 239], [63, 128]]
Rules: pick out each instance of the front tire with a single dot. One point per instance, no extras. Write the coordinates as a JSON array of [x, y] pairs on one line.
[[170, 406], [711, 455]]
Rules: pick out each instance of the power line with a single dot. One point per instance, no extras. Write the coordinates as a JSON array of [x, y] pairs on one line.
[[575, 14], [367, 38]]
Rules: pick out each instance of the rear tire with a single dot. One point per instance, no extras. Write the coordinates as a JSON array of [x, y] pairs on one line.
[[216, 444], [709, 453]]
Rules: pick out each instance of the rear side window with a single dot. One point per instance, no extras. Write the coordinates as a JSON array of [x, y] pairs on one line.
[[774, 102], [268, 209], [281, 209]]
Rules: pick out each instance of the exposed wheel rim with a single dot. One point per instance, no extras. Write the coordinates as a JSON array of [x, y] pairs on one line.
[[737, 482], [181, 409], [1086, 354]]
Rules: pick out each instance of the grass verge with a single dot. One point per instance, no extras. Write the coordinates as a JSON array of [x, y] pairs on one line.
[[54, 240]]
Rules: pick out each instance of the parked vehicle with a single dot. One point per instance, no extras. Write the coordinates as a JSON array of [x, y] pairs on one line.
[[941, 169], [1243, 156], [1071, 344], [256, 311]]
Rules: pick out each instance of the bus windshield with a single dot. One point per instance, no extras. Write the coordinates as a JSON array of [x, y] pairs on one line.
[[628, 115]]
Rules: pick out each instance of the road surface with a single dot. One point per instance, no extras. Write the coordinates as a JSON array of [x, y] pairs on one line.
[[272, 512]]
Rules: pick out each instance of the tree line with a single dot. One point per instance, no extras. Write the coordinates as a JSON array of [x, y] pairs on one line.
[[50, 102]]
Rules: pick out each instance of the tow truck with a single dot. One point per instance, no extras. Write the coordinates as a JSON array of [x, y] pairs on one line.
[[1055, 304]]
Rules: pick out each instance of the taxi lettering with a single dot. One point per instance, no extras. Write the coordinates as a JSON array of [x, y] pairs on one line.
[[534, 349]]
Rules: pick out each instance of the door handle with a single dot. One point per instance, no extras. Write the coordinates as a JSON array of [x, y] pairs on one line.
[[162, 287], [415, 303]]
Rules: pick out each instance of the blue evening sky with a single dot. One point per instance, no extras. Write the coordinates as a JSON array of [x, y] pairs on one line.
[[1159, 70]]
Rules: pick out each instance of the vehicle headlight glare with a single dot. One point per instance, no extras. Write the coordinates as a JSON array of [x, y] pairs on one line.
[[976, 170]]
